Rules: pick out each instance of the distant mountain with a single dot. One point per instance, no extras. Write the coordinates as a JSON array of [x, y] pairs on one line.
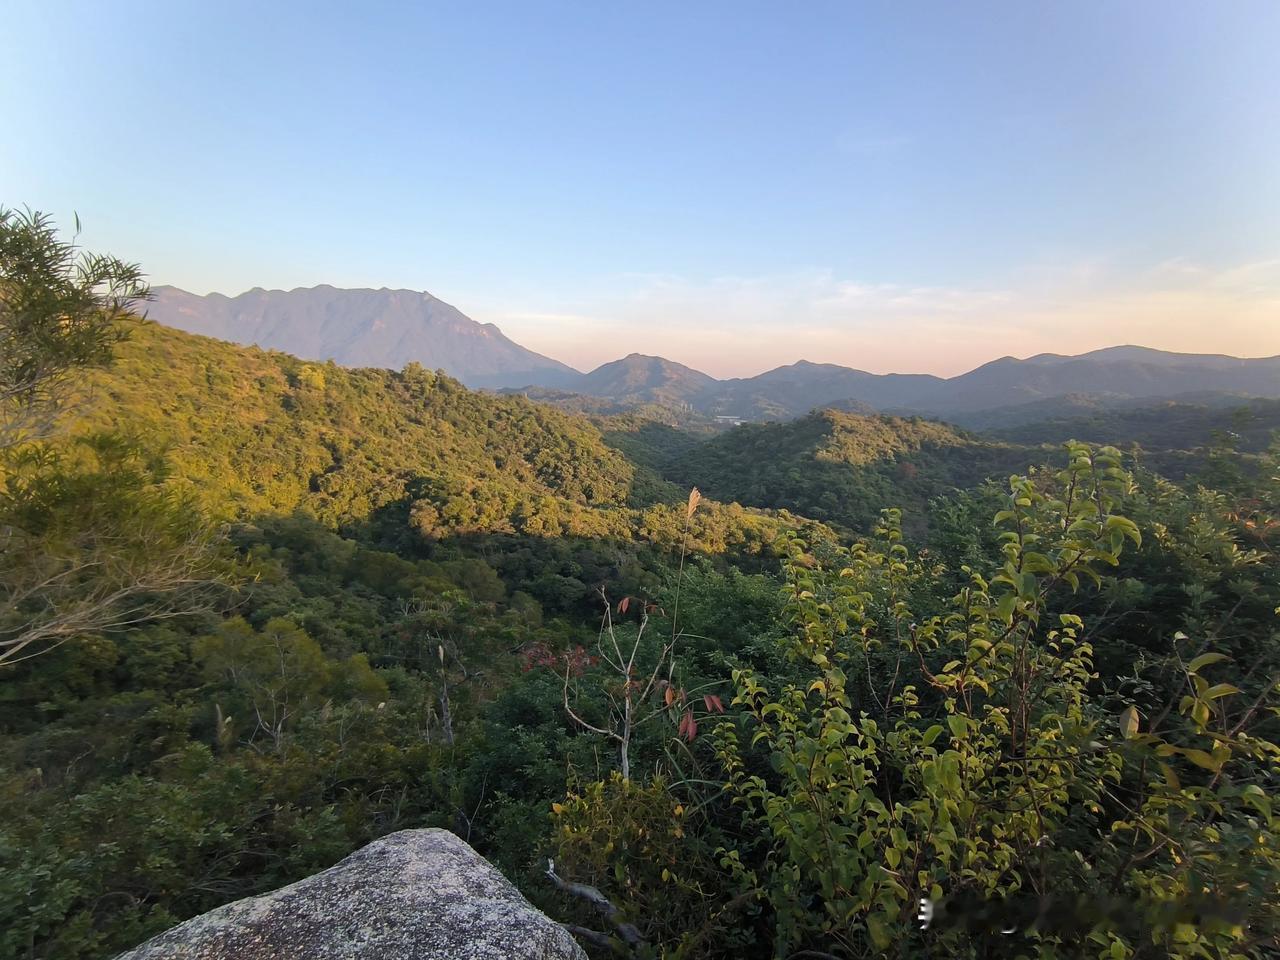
[[363, 328], [389, 328], [1117, 372], [1022, 391], [794, 390], [640, 379]]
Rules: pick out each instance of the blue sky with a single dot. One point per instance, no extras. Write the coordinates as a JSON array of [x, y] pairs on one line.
[[906, 186]]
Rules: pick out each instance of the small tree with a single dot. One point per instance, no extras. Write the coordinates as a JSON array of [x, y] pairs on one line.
[[91, 538], [61, 310], [641, 684], [280, 670]]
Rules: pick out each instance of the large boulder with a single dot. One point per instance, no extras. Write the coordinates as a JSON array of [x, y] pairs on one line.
[[413, 895]]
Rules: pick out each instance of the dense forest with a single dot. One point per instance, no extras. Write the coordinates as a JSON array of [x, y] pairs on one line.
[[889, 689]]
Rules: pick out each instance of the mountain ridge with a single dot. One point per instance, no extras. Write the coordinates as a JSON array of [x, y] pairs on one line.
[[361, 327], [388, 327]]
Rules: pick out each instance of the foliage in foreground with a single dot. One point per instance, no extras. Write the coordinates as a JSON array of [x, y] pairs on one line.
[[966, 754]]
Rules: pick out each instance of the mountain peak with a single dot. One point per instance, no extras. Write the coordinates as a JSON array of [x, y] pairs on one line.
[[363, 327]]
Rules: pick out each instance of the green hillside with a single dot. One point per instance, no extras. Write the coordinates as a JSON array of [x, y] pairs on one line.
[[842, 467], [264, 431], [254, 433]]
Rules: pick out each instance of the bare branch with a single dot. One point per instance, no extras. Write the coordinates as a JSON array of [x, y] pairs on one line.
[[629, 934]]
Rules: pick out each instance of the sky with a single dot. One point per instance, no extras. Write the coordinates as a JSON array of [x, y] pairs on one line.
[[906, 186]]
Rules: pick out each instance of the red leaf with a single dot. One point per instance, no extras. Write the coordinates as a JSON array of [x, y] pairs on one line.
[[623, 604], [688, 727], [713, 703]]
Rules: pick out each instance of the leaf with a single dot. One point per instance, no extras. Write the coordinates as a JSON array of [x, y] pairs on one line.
[[713, 703], [1202, 759], [1129, 722], [880, 935], [623, 604], [1204, 660], [669, 696], [1220, 690]]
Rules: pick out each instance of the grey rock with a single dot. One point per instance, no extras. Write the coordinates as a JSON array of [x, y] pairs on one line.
[[413, 895]]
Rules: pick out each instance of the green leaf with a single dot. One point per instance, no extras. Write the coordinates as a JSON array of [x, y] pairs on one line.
[[1204, 660], [1202, 759], [880, 935], [1220, 690]]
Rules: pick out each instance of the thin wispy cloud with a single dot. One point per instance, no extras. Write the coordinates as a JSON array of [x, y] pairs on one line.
[[738, 326]]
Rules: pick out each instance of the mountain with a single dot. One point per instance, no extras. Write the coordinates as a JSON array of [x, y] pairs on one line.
[[793, 390], [637, 378], [1125, 372], [1020, 390], [389, 328], [362, 328]]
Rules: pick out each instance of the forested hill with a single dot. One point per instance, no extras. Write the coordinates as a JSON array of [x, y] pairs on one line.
[[844, 467], [1247, 425], [264, 431], [257, 432]]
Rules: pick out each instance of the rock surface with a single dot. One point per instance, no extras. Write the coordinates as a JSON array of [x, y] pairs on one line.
[[413, 895]]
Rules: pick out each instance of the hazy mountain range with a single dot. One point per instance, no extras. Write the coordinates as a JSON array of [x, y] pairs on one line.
[[388, 328]]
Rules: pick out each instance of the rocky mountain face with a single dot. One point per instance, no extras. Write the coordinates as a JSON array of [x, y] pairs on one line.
[[413, 895], [363, 328]]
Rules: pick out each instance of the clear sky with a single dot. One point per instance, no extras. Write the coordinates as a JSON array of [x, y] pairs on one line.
[[903, 186]]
